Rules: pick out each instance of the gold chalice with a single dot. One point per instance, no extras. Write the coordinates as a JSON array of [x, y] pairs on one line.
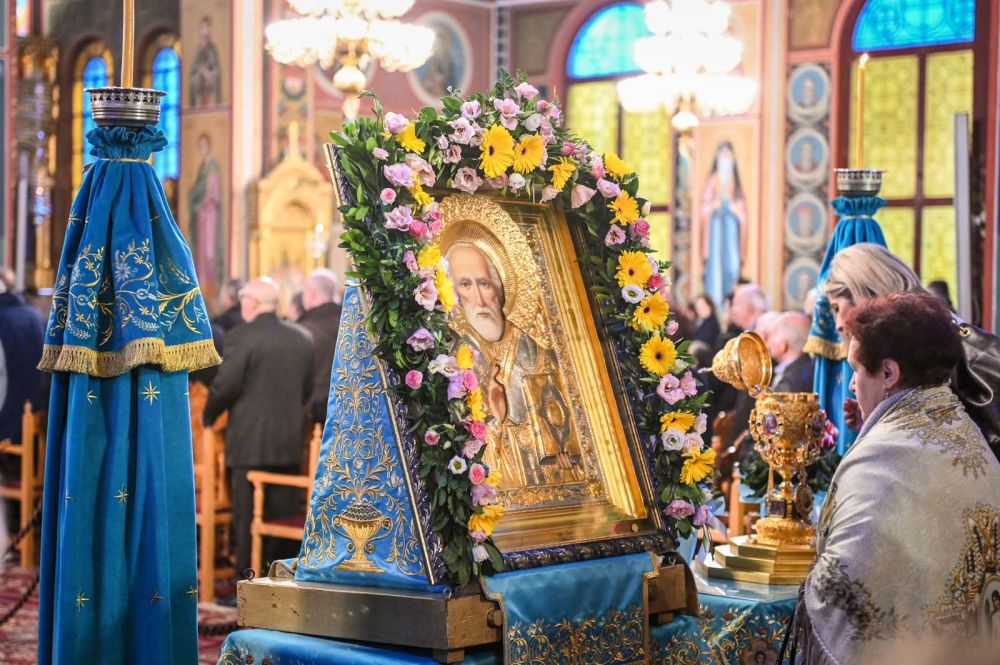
[[361, 522]]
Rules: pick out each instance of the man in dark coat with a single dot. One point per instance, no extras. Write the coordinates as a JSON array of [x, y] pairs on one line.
[[265, 383], [321, 318], [793, 370], [230, 301], [22, 334]]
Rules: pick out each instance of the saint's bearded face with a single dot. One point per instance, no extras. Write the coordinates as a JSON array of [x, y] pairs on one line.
[[479, 291]]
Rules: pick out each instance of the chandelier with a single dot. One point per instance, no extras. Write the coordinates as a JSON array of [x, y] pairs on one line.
[[351, 34], [689, 64]]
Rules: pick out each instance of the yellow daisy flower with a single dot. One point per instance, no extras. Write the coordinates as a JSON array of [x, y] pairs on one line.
[[699, 463], [561, 172], [680, 420], [487, 520], [465, 358], [494, 478], [657, 355], [445, 289], [634, 269], [408, 139], [429, 256], [421, 197], [626, 209], [615, 167], [651, 313], [497, 151], [474, 400], [529, 153]]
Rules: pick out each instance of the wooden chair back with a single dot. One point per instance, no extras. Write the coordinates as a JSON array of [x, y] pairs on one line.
[[27, 490], [214, 508]]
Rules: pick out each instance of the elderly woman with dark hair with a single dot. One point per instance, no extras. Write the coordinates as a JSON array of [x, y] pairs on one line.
[[908, 544]]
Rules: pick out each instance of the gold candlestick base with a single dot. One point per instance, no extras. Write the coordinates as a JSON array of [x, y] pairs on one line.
[[778, 531], [745, 560]]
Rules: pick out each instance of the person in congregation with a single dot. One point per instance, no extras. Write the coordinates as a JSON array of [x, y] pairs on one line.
[[321, 317], [867, 270], [706, 321], [229, 298], [793, 369], [265, 382], [909, 537]]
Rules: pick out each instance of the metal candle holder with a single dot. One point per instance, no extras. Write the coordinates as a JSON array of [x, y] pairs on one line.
[[856, 183]]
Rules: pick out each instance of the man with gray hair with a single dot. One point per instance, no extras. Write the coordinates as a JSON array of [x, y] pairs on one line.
[[321, 317], [793, 371], [265, 382]]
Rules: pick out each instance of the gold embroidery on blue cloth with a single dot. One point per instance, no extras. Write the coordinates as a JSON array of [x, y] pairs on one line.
[[359, 471], [615, 637], [150, 393], [155, 597], [735, 636], [81, 600], [122, 496], [91, 397], [192, 592], [973, 595]]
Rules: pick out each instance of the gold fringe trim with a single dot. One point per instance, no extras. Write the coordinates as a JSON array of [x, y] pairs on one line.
[[152, 351], [817, 346]]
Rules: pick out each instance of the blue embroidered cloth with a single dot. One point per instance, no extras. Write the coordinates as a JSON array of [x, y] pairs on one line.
[[832, 374], [253, 647], [361, 527], [118, 562], [584, 612]]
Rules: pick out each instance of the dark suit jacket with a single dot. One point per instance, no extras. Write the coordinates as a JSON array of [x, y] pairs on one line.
[[22, 334], [796, 378], [322, 322], [265, 382], [230, 319]]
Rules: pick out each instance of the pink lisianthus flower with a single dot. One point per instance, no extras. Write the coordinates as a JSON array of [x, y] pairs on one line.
[[615, 236], [548, 193], [596, 166], [567, 149], [477, 473], [421, 340], [410, 261], [688, 384], [431, 438], [380, 153], [387, 195], [395, 122], [679, 509], [580, 195], [466, 180], [640, 229], [472, 447], [464, 131], [434, 225], [456, 386], [453, 155], [400, 175], [426, 295], [526, 91], [469, 380], [702, 516], [498, 182], [669, 389], [482, 495], [506, 106], [692, 441], [421, 168], [444, 365], [533, 122], [471, 110], [672, 327], [476, 428], [400, 218], [509, 121], [701, 423], [414, 378], [442, 143], [608, 189]]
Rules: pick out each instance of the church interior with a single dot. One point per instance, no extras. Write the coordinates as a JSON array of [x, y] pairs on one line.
[[301, 299]]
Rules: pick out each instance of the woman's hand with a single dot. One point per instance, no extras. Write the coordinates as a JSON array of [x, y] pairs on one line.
[[852, 414]]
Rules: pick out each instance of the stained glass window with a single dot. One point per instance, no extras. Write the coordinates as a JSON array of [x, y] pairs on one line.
[[899, 226], [605, 44], [23, 17], [939, 247], [92, 72], [948, 91], [893, 24], [592, 110], [167, 77]]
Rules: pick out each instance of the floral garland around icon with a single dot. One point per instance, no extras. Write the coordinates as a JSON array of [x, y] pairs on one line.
[[510, 142]]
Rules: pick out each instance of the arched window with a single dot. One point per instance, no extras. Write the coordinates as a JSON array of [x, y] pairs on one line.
[[93, 67], [163, 72], [921, 73], [22, 13], [602, 53]]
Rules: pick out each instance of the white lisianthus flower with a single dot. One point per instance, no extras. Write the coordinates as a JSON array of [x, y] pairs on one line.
[[457, 465], [516, 181], [479, 553], [673, 440], [693, 442], [645, 209], [679, 367], [633, 294], [533, 122]]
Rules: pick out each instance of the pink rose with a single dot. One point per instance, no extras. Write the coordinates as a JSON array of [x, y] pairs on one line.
[[641, 228], [466, 180], [608, 189], [688, 385], [453, 155], [672, 327], [431, 438], [481, 495], [470, 381], [548, 193], [414, 379], [421, 168], [395, 123], [434, 226], [554, 113], [526, 91], [596, 166], [701, 424], [679, 509], [426, 295], [379, 153], [692, 441], [477, 473], [472, 447], [580, 195], [419, 230], [410, 260], [702, 516], [615, 236], [471, 110], [568, 148], [400, 175], [387, 195], [655, 281], [476, 428], [400, 218], [421, 340]]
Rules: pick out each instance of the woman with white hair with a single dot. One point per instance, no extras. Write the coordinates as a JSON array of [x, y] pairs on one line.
[[866, 270]]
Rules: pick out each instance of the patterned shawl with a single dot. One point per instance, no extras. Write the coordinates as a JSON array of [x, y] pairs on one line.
[[909, 539]]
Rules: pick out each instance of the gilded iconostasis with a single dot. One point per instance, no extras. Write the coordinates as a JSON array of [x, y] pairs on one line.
[[737, 196]]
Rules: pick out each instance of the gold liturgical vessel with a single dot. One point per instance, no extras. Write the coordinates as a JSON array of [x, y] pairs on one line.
[[787, 429]]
